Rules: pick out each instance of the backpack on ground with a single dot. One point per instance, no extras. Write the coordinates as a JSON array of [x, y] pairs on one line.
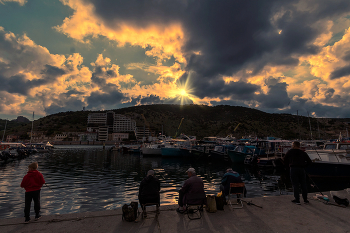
[[341, 201], [130, 211]]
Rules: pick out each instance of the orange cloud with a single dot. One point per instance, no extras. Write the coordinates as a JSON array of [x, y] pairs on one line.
[[20, 2], [165, 40]]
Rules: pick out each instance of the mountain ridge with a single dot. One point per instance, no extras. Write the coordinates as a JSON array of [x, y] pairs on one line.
[[198, 120]]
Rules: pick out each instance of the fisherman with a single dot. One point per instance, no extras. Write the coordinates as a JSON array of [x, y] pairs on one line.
[[192, 191], [149, 190], [297, 160], [230, 177], [32, 183]]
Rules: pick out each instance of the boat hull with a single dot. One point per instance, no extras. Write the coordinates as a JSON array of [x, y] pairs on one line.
[[236, 157], [151, 151], [172, 152], [329, 170]]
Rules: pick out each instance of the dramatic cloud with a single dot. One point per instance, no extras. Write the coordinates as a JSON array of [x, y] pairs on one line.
[[20, 2], [274, 55]]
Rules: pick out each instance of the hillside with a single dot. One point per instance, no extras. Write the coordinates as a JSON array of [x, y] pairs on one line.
[[198, 120]]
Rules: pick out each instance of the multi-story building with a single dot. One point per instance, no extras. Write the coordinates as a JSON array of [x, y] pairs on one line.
[[123, 124], [103, 133], [120, 136], [142, 133], [89, 136], [61, 136], [106, 123]]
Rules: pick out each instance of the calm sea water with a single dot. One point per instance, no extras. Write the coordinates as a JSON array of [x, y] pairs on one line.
[[81, 179]]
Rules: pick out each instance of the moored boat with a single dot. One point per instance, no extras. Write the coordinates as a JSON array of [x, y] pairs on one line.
[[333, 161], [220, 152], [239, 154], [152, 149]]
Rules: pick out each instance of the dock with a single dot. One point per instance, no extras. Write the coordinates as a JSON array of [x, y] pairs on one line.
[[278, 214]]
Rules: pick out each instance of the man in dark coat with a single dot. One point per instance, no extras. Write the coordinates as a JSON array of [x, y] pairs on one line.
[[229, 177], [149, 189], [192, 191], [297, 160]]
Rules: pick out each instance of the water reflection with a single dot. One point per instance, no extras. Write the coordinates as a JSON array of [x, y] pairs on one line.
[[91, 179]]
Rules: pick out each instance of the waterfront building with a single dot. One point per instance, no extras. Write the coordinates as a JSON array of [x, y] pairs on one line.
[[107, 123], [103, 133], [123, 124], [12, 138], [60, 137], [142, 133], [88, 136], [120, 136]]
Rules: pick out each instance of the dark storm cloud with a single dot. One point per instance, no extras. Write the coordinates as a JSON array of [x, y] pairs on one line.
[[218, 88], [230, 35], [276, 97], [152, 99], [69, 104], [21, 85], [347, 56], [304, 107], [52, 71], [96, 99], [344, 71]]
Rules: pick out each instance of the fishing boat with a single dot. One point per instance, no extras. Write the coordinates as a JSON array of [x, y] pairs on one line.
[[152, 149], [220, 152], [40, 147], [177, 148], [270, 154], [333, 161], [239, 154]]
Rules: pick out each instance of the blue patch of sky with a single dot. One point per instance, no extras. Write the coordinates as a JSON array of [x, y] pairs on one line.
[[335, 38], [36, 18]]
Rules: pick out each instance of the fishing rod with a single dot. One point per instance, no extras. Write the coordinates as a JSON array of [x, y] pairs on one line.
[[49, 187], [314, 184], [251, 203]]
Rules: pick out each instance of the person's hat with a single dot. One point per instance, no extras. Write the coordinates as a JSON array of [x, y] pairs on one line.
[[191, 169]]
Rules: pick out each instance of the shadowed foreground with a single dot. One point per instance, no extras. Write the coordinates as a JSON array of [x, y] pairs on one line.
[[277, 215]]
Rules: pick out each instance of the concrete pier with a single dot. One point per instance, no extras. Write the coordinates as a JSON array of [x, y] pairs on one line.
[[277, 215]]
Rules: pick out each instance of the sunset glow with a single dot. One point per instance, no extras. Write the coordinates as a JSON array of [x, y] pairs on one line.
[[288, 57]]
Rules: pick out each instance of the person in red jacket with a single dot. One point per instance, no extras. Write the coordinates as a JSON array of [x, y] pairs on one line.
[[32, 183]]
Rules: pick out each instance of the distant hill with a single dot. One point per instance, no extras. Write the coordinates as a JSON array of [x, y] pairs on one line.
[[200, 121], [22, 119]]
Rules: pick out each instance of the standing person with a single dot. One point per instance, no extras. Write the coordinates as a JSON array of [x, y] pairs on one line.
[[192, 191], [297, 160], [149, 190], [32, 183]]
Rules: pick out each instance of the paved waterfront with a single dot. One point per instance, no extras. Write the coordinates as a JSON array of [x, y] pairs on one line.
[[277, 215]]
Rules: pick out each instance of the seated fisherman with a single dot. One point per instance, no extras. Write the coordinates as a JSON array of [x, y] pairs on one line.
[[149, 189], [192, 191], [229, 177]]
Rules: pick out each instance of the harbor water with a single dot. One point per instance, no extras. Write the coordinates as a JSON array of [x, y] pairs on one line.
[[90, 178]]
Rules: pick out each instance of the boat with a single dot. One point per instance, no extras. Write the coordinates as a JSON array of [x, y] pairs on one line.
[[239, 154], [271, 153], [220, 152], [40, 147], [177, 148], [152, 149], [333, 161]]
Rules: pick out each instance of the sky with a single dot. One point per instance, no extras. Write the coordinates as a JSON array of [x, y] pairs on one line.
[[277, 56]]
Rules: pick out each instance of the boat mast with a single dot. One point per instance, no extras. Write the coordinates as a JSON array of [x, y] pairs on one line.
[[31, 133], [3, 135], [309, 124]]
